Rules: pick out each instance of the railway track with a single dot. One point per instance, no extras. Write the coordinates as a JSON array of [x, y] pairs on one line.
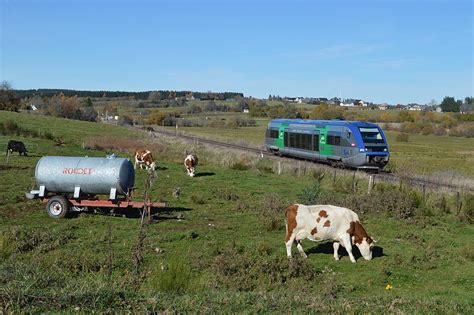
[[380, 176]]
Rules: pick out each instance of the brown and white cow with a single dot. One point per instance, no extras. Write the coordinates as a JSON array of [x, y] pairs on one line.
[[326, 222], [144, 158], [190, 163]]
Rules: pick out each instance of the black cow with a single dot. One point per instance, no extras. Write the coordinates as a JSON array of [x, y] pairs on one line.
[[16, 146]]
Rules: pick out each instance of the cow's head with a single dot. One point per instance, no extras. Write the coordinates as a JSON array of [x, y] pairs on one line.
[[361, 239], [365, 247]]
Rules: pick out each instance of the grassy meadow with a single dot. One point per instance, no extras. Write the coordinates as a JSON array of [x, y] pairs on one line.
[[218, 247]]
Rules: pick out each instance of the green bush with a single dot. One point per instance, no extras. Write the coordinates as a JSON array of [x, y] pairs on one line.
[[310, 195], [272, 212]]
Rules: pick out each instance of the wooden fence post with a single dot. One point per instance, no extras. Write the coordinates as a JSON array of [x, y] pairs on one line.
[[458, 202], [279, 167], [353, 181]]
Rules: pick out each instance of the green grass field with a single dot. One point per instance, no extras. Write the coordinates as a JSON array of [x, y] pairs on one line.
[[218, 248]]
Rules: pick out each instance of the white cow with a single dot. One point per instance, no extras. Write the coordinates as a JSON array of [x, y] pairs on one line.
[[144, 158], [190, 163], [326, 222]]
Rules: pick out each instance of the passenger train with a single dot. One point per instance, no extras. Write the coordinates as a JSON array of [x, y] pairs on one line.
[[355, 144]]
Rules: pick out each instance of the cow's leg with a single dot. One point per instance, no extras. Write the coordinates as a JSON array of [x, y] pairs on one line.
[[135, 164], [346, 240], [289, 243], [300, 249], [335, 245]]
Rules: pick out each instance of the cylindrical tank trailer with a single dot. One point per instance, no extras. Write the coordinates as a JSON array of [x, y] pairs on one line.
[[89, 175], [66, 182]]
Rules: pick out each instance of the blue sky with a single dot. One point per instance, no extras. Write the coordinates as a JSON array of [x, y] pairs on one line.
[[396, 51]]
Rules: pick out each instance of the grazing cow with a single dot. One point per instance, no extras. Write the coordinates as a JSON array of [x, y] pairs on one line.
[[144, 158], [16, 146], [326, 222], [190, 162]]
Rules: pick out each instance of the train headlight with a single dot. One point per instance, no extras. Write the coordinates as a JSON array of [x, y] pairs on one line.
[[385, 150]]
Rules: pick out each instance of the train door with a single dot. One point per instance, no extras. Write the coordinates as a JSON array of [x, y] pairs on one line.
[[315, 145], [324, 148], [281, 136]]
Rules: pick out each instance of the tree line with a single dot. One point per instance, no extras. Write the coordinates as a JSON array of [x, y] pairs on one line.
[[145, 95]]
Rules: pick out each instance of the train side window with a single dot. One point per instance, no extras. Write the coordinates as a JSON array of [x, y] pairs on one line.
[[306, 141], [292, 140], [286, 140], [316, 143], [334, 140]]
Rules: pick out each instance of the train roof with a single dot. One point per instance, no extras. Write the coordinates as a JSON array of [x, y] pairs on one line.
[[328, 122]]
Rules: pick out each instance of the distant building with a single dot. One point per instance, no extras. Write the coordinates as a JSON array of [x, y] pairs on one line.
[[383, 106], [414, 107]]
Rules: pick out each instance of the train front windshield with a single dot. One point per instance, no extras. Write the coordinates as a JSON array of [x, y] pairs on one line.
[[371, 135]]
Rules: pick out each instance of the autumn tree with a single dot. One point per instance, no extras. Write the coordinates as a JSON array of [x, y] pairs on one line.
[[9, 100]]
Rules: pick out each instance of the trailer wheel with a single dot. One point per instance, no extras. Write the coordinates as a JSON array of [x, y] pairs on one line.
[[57, 207]]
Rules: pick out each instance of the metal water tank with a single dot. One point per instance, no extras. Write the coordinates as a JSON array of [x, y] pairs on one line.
[[64, 174]]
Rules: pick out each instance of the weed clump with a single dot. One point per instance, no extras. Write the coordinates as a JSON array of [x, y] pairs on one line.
[[196, 198], [244, 269], [467, 213], [272, 214], [173, 276]]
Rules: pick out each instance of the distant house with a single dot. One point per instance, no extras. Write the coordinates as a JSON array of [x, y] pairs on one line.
[[383, 106], [415, 107], [438, 109], [360, 103]]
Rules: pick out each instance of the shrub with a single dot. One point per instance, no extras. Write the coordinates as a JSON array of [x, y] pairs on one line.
[[410, 127], [427, 130], [455, 132], [467, 130], [272, 212], [310, 195], [399, 203], [402, 137], [439, 131]]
